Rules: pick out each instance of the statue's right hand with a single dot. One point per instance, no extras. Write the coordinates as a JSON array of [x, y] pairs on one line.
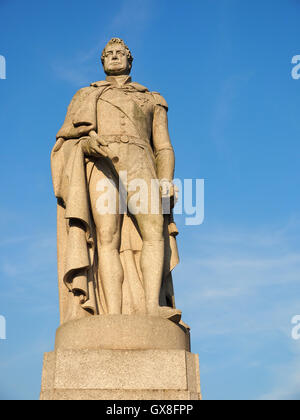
[[91, 147]]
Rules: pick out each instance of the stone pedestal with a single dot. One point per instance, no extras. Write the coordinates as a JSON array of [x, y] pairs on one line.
[[114, 357]]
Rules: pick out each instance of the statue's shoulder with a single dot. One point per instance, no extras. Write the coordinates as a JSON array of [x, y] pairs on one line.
[[83, 93], [139, 87], [159, 100]]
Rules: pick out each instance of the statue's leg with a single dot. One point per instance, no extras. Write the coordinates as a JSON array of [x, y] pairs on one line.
[[152, 258], [141, 166], [108, 227]]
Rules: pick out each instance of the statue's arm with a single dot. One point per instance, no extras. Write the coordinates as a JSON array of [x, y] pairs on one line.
[[164, 153], [80, 123], [80, 119]]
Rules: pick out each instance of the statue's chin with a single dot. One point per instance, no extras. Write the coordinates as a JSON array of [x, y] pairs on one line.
[[117, 72]]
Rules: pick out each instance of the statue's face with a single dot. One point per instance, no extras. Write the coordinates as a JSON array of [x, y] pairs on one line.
[[115, 60]]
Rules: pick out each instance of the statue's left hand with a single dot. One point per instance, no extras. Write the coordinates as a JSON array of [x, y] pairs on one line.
[[169, 190], [91, 146], [166, 188]]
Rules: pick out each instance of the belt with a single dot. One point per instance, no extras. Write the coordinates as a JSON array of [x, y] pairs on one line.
[[105, 140]]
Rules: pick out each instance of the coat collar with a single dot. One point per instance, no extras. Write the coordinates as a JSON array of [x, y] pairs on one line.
[[110, 81], [119, 81]]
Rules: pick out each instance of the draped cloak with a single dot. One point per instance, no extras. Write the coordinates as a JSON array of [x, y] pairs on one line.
[[80, 288]]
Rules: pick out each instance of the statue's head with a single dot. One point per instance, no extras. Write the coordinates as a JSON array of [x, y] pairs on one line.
[[116, 58]]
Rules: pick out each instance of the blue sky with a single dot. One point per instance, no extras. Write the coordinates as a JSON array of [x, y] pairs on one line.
[[224, 67]]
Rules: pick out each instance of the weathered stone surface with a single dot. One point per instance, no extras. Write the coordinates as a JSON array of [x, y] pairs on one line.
[[113, 394], [48, 371], [126, 332], [121, 374]]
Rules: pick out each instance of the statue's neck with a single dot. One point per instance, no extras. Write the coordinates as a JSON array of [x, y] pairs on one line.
[[119, 80]]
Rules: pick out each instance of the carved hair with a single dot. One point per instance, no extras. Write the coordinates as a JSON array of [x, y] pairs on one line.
[[118, 41]]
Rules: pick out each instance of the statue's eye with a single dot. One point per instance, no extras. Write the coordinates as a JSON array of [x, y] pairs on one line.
[[109, 53]]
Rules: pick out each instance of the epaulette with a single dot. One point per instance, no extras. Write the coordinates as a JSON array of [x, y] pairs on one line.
[[139, 87], [160, 100]]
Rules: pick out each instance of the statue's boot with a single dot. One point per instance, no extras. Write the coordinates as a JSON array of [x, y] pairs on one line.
[[172, 314], [152, 261]]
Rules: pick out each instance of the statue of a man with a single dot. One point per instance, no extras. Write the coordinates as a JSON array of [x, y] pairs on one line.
[[116, 262]]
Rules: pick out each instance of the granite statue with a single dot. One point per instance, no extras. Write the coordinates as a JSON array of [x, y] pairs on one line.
[[115, 262]]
